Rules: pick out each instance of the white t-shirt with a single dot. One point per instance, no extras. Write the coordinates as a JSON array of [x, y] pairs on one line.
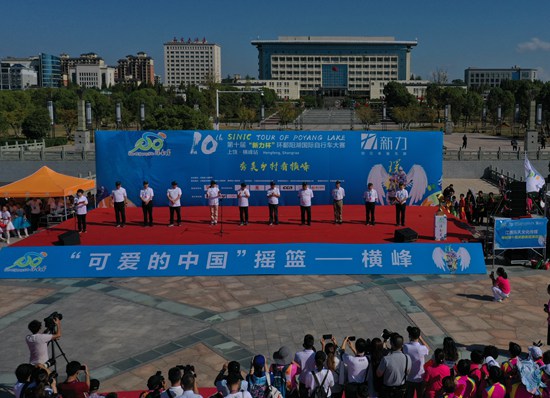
[[38, 347], [36, 206], [240, 394], [189, 394], [418, 353], [402, 195], [119, 195], [146, 194], [224, 389], [338, 193], [212, 194], [243, 195], [173, 194], [370, 196], [174, 392], [81, 203], [271, 198], [312, 384], [357, 368], [306, 360], [305, 196]]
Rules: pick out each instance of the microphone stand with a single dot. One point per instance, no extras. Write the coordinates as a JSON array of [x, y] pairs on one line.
[[221, 215]]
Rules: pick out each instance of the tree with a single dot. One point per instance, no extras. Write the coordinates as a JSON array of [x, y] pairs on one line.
[[405, 115], [246, 117], [454, 96], [498, 97], [397, 95], [440, 76], [68, 118], [473, 104], [37, 124], [367, 115], [286, 113]]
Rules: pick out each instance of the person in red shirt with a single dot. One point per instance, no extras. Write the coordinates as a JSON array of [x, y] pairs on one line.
[[73, 387], [465, 386], [501, 285], [434, 375], [509, 368], [494, 389]]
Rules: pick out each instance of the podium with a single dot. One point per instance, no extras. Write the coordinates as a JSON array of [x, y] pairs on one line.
[[440, 226]]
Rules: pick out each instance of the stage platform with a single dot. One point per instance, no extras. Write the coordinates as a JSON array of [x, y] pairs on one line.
[[198, 248], [196, 229]]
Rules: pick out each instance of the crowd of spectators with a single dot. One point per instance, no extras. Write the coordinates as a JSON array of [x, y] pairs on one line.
[[385, 367], [25, 215]]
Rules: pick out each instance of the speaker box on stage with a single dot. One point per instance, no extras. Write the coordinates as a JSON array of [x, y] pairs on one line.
[[518, 198], [405, 235], [70, 238]]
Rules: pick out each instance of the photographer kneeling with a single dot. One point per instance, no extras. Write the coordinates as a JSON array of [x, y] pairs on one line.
[[73, 387], [38, 342]]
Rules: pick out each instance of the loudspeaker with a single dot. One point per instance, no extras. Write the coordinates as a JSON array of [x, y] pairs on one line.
[[70, 238], [518, 198], [405, 235]]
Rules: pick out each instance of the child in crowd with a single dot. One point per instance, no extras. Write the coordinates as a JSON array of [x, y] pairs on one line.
[[494, 389], [94, 388], [434, 374], [501, 285], [465, 386], [449, 386]]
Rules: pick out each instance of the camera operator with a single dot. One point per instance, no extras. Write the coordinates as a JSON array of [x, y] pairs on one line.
[[189, 382], [23, 374], [394, 368], [43, 385], [38, 342], [73, 387], [174, 376]]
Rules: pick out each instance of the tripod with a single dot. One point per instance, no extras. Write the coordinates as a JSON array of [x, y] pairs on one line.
[[53, 357]]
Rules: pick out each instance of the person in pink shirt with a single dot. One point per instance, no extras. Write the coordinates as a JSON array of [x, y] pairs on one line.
[[501, 285], [509, 368], [546, 306], [434, 374], [494, 389], [449, 386], [465, 386], [476, 358]]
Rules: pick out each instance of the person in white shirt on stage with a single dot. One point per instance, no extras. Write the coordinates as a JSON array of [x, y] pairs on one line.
[[273, 195], [305, 194], [119, 198], [213, 195], [370, 196], [401, 197], [242, 195], [146, 196], [338, 194], [81, 208], [174, 203]]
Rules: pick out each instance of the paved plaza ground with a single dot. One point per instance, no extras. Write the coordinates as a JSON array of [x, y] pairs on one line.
[[126, 329]]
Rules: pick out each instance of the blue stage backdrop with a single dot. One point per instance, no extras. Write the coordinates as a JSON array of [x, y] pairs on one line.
[[193, 158], [240, 259]]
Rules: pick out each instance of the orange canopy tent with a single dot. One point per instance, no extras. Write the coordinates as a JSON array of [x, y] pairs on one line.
[[45, 183]]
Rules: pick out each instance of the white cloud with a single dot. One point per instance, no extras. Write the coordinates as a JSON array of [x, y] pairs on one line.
[[535, 44]]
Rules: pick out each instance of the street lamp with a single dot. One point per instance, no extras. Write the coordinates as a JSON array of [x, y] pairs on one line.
[[499, 120], [118, 115], [88, 115], [52, 121], [142, 114]]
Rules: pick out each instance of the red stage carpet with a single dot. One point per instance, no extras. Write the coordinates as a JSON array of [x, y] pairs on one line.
[[196, 228]]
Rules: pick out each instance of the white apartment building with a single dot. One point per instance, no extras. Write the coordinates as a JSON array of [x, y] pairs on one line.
[[90, 76], [418, 88], [191, 62], [285, 89]]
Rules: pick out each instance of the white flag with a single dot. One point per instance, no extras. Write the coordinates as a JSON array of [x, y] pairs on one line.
[[533, 179]]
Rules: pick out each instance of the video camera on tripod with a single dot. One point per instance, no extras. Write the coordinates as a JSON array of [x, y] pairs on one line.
[[49, 322]]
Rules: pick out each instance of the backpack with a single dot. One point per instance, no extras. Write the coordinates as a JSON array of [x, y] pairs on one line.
[[279, 379], [255, 389], [319, 391]]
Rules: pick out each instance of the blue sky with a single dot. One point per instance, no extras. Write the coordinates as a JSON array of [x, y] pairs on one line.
[[452, 35]]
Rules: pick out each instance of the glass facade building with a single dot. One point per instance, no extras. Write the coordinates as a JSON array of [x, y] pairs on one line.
[[49, 71]]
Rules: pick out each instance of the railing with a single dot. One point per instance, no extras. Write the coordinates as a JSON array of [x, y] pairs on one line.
[[481, 154], [49, 155], [27, 146]]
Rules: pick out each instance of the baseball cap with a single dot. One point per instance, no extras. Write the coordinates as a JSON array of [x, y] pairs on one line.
[[258, 361]]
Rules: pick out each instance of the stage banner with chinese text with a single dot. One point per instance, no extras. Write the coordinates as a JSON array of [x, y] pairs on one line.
[[522, 233], [193, 158], [240, 259]]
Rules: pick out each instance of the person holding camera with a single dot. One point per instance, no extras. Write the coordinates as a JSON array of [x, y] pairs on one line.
[[306, 360], [72, 387], [357, 366], [416, 349], [189, 383], [38, 342], [394, 369], [43, 385], [222, 383]]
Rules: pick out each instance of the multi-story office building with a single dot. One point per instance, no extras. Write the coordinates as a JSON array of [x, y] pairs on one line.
[[285, 89], [191, 62], [334, 65], [49, 70], [93, 76], [68, 62], [476, 77], [138, 69], [18, 73]]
